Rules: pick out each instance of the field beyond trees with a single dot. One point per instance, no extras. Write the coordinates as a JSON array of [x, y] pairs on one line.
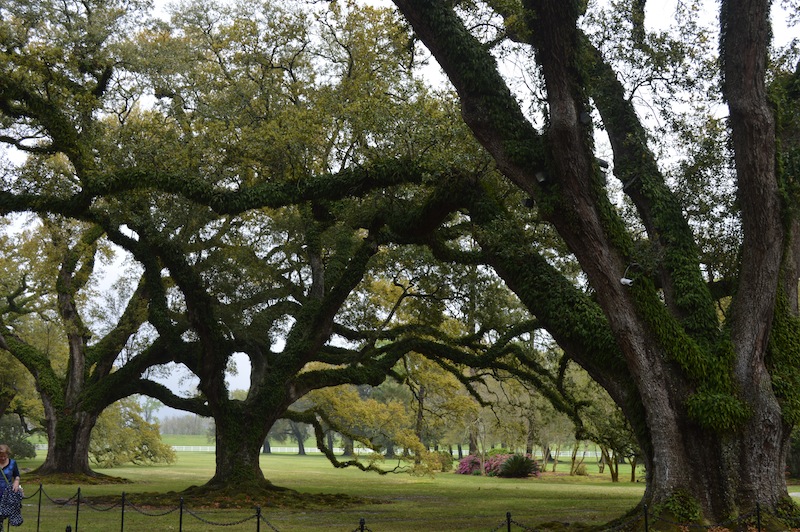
[[394, 502]]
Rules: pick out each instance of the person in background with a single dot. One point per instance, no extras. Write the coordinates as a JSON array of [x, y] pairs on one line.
[[10, 476], [9, 480]]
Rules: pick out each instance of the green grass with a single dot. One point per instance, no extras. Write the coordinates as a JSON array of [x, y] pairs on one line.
[[446, 502]]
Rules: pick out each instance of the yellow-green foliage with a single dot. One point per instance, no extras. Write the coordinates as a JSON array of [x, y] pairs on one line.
[[122, 436], [369, 420], [347, 408]]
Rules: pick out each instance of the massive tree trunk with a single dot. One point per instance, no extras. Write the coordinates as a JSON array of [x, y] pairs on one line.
[[241, 426], [726, 472], [239, 437], [68, 434], [699, 394]]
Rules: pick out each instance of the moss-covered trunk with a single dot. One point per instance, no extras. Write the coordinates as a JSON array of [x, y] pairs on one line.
[[239, 437], [68, 435], [712, 475]]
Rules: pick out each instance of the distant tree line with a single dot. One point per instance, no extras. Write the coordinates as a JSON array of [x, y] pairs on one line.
[[186, 424]]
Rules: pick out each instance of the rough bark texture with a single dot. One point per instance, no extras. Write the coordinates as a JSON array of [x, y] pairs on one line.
[[762, 450], [238, 439], [68, 436]]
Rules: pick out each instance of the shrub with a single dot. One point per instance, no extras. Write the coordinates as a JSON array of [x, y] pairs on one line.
[[445, 461], [499, 465], [493, 464], [469, 465], [13, 434], [518, 466], [581, 470]]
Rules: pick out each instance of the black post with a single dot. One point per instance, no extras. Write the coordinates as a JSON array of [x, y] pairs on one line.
[[508, 521], [258, 518], [122, 515], [362, 524], [68, 529], [78, 510], [180, 520], [646, 527], [39, 509]]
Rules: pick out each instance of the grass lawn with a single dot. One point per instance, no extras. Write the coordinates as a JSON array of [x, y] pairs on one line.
[[399, 502]]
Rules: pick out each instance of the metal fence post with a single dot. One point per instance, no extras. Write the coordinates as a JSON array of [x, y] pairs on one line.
[[180, 520], [258, 518], [362, 524], [508, 521], [122, 515], [78, 510], [39, 509], [646, 526]]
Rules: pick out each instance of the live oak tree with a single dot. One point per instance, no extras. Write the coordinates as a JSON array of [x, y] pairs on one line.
[[79, 366], [270, 278], [712, 400], [265, 151]]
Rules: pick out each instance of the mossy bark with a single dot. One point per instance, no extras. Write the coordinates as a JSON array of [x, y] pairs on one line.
[[68, 436], [238, 440]]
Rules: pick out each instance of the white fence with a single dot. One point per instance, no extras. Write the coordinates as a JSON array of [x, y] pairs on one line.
[[313, 450], [273, 449], [213, 448]]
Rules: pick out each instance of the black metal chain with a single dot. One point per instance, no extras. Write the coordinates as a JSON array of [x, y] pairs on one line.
[[212, 523], [135, 508], [60, 503], [98, 509], [268, 523], [508, 522], [32, 494]]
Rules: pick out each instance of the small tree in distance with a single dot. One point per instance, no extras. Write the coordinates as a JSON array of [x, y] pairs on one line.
[[123, 436]]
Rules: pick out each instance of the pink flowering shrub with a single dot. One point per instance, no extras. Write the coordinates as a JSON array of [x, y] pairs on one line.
[[469, 465], [492, 465], [506, 465]]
